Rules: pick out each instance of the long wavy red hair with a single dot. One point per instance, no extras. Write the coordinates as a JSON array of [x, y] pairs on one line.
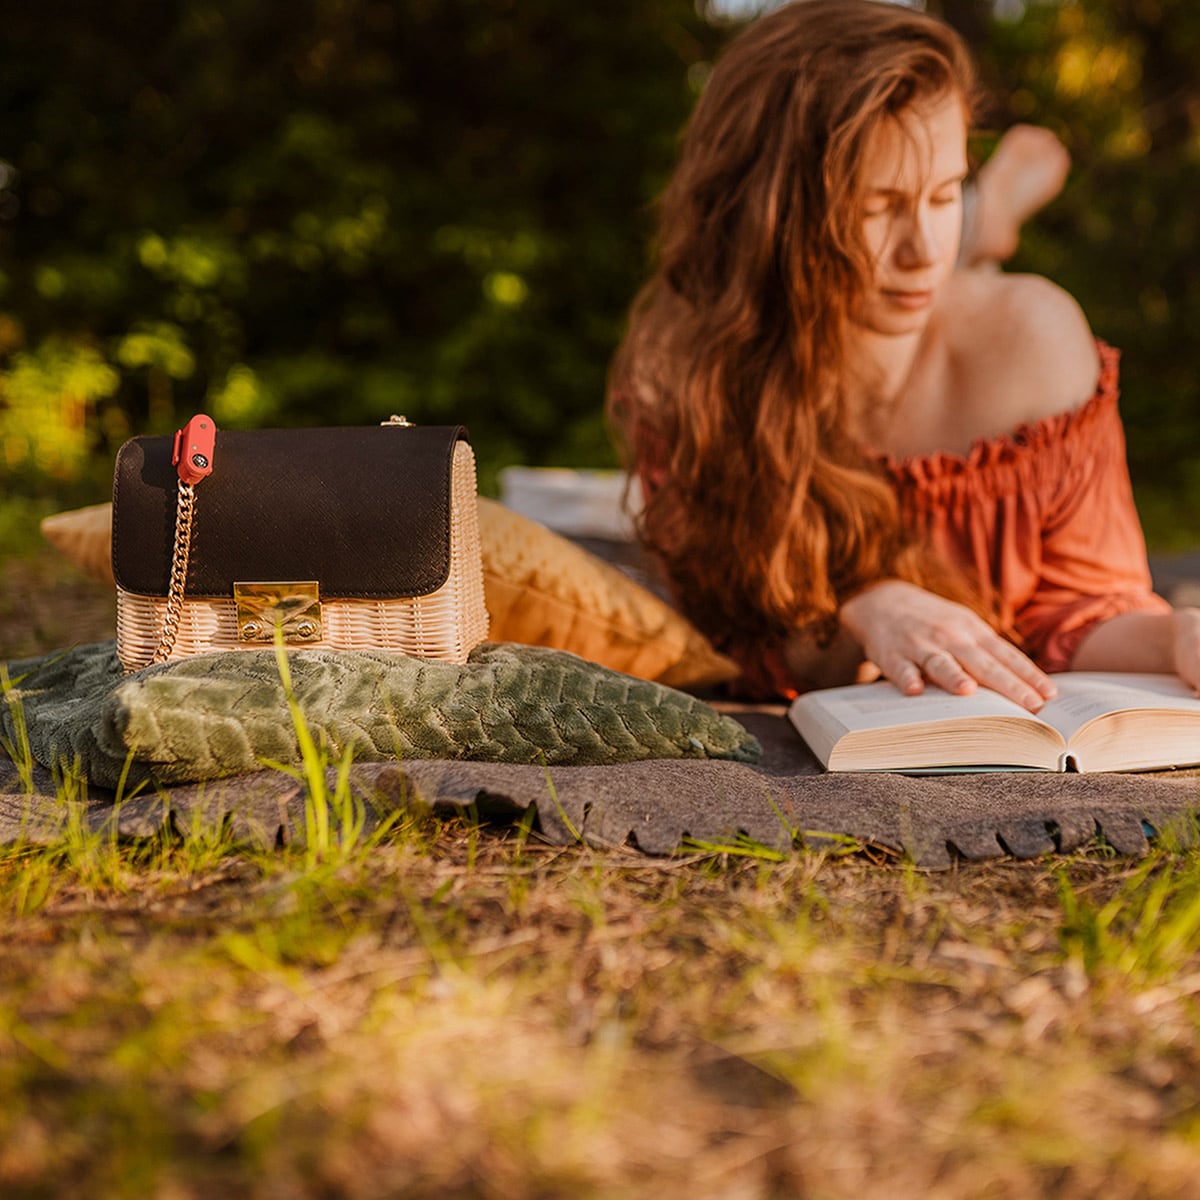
[[728, 388]]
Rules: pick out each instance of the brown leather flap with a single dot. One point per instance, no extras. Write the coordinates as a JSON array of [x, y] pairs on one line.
[[364, 511]]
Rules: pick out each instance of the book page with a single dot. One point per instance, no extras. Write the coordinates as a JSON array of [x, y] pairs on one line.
[[1085, 695], [876, 705]]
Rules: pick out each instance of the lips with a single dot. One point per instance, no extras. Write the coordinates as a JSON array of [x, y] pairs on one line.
[[908, 298]]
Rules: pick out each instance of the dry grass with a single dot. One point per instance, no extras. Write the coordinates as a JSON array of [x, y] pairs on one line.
[[461, 1011]]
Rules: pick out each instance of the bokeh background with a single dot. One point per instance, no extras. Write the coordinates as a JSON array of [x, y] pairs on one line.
[[327, 211]]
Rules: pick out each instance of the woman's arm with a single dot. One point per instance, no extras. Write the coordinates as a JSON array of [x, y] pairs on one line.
[[1145, 641]]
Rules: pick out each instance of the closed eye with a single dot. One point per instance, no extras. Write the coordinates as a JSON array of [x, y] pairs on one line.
[[877, 206]]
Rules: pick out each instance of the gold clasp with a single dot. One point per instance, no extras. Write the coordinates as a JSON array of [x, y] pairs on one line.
[[293, 607], [395, 420]]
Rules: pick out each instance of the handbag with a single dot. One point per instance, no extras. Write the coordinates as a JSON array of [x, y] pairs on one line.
[[347, 538]]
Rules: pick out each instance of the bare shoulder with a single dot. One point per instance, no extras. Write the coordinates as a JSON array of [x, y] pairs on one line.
[[1023, 342]]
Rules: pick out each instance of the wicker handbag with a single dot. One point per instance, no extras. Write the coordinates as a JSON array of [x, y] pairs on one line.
[[349, 539]]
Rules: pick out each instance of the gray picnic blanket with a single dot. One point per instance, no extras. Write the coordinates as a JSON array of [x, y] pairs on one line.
[[712, 796], [232, 713]]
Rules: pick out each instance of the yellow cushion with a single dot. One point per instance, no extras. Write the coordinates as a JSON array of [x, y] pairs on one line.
[[544, 590], [84, 536], [541, 589]]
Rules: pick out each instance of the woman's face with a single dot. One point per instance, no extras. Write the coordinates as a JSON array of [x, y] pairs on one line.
[[912, 212]]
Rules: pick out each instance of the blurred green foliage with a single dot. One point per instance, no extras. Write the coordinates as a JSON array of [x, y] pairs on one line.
[[326, 211], [1117, 81]]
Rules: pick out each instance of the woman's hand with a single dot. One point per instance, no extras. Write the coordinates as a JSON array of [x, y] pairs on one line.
[[913, 636]]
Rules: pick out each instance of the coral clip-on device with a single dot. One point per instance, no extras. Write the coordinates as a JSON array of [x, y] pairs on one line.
[[192, 456]]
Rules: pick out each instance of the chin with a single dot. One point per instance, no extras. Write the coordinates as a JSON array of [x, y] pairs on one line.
[[893, 324]]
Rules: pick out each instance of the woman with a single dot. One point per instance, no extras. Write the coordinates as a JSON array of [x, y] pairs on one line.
[[852, 452]]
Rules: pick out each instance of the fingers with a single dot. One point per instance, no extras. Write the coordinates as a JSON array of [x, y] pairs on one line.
[[938, 667], [942, 668], [905, 675], [1025, 669], [998, 666], [1012, 675]]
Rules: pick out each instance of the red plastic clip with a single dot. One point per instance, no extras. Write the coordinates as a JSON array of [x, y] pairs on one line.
[[193, 452]]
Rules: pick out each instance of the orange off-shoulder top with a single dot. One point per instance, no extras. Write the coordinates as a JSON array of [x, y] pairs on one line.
[[1043, 518]]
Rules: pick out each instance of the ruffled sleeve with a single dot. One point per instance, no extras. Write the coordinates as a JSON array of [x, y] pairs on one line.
[[1044, 520]]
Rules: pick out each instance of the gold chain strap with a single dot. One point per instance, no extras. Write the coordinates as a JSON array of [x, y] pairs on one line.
[[179, 570]]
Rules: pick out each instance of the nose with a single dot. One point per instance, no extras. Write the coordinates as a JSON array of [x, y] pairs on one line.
[[917, 244]]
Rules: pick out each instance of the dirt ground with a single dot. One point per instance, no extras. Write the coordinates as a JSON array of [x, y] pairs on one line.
[[46, 604]]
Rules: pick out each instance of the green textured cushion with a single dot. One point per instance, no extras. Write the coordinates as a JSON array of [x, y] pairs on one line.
[[225, 714]]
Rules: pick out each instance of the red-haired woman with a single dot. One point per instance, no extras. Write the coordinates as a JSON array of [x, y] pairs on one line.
[[852, 452]]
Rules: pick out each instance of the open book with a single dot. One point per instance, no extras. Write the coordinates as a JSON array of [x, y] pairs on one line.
[[1097, 722]]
